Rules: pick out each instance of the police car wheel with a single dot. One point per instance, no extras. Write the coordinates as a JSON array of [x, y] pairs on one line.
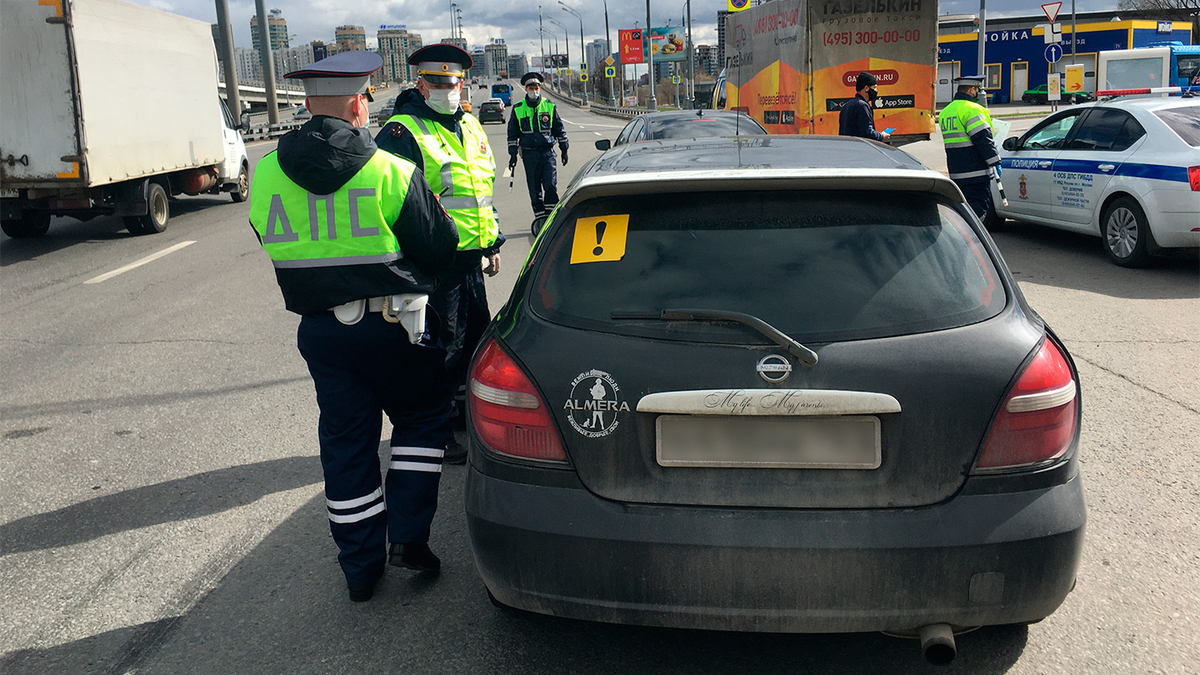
[[243, 186], [1126, 233], [157, 215], [31, 224]]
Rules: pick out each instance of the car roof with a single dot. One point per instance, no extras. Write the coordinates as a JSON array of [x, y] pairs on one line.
[[756, 162], [1150, 102], [687, 114]]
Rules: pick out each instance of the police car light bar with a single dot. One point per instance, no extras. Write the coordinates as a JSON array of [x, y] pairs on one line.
[[1132, 92]]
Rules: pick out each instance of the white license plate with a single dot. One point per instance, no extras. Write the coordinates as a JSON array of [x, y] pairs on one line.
[[9, 194], [842, 442]]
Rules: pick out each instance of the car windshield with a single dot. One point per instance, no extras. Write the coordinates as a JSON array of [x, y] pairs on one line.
[[693, 126], [1183, 120], [816, 265]]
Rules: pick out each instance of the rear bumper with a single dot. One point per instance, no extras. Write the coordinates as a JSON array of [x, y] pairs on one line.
[[975, 560]]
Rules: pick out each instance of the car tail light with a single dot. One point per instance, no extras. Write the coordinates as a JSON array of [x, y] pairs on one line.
[[1038, 420], [508, 414], [1194, 178]]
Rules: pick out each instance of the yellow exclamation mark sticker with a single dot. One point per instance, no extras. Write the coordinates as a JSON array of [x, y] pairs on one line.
[[599, 239]]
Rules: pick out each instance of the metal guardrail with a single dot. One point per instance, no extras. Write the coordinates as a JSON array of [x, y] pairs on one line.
[[567, 98], [263, 131], [622, 113]]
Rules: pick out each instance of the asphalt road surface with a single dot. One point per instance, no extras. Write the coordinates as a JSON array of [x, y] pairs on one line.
[[161, 506]]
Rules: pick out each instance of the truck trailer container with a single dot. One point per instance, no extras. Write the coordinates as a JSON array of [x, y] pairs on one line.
[[792, 64], [109, 108]]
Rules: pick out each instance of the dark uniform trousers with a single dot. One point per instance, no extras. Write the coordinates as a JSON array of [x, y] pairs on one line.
[[463, 308], [978, 192], [360, 372], [541, 175]]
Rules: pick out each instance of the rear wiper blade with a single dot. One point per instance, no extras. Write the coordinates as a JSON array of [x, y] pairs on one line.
[[806, 356]]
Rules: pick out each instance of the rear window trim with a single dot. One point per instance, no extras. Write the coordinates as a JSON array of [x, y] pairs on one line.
[[738, 335]]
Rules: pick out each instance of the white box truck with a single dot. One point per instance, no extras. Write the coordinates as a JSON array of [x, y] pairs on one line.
[[109, 108], [792, 64]]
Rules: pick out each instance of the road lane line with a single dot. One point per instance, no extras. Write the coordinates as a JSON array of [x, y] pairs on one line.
[[138, 263]]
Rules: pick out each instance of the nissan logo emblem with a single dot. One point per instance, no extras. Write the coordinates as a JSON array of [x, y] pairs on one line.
[[774, 368]]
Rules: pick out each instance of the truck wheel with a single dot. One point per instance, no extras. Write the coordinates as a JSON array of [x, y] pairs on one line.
[[31, 224], [159, 212], [243, 186]]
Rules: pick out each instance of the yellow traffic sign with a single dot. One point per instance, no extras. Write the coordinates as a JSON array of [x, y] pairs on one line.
[[609, 61], [610, 72], [583, 77], [674, 79]]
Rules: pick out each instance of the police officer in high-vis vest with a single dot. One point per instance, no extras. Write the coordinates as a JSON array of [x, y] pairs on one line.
[[430, 129], [533, 128], [358, 240], [971, 157]]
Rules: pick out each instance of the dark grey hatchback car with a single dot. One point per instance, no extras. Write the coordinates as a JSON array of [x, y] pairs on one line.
[[780, 384]]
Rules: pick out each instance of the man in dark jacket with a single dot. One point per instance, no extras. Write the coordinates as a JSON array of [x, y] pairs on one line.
[[430, 129], [534, 126], [358, 240], [858, 114]]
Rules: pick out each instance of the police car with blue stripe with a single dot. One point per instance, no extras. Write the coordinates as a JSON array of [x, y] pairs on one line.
[[1126, 170]]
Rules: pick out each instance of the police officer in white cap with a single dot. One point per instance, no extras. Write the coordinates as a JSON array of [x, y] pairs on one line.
[[971, 157], [358, 240], [429, 128]]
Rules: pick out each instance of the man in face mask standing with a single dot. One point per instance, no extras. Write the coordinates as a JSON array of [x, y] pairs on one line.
[[533, 128], [971, 157], [430, 129], [858, 114]]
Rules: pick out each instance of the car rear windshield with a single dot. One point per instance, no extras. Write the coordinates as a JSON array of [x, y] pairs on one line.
[[816, 265], [703, 127], [1183, 120]]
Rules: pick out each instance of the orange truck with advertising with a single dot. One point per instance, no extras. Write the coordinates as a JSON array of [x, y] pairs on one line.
[[792, 64]]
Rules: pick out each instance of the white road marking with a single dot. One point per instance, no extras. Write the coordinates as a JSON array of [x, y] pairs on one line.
[[148, 259]]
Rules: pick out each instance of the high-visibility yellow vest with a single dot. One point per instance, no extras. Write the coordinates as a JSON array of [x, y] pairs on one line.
[[530, 119], [338, 247], [960, 121], [461, 173]]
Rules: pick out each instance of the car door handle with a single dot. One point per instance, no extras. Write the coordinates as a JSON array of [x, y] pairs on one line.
[[1107, 167], [1045, 164]]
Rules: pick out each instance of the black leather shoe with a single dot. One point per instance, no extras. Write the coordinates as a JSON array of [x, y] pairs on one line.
[[456, 453], [416, 556], [363, 592]]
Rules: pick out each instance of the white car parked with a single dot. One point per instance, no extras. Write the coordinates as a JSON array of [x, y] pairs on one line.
[[1125, 170]]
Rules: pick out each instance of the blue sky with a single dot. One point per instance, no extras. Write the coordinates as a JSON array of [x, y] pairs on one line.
[[516, 20]]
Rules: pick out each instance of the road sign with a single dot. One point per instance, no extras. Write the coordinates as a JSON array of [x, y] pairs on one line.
[[583, 67], [583, 77], [1051, 10], [1052, 32], [610, 72], [674, 79], [1053, 53], [1054, 87], [609, 61]]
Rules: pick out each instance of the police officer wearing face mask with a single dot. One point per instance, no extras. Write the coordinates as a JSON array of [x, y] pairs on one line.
[[858, 114], [533, 128], [358, 240], [971, 156], [430, 129]]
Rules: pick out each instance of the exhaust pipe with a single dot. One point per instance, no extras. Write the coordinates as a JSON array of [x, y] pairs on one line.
[[937, 643]]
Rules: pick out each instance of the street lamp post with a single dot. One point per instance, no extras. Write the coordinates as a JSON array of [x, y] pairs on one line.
[[651, 100], [567, 46], [582, 52], [612, 101]]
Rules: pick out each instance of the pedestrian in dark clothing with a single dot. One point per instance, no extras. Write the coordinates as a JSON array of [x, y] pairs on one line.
[[534, 126], [858, 114]]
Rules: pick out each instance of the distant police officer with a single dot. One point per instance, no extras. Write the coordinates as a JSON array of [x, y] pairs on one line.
[[430, 129], [533, 128], [971, 156], [858, 114], [332, 211]]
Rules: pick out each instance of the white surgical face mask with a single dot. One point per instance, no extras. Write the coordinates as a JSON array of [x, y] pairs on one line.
[[444, 101], [533, 94]]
